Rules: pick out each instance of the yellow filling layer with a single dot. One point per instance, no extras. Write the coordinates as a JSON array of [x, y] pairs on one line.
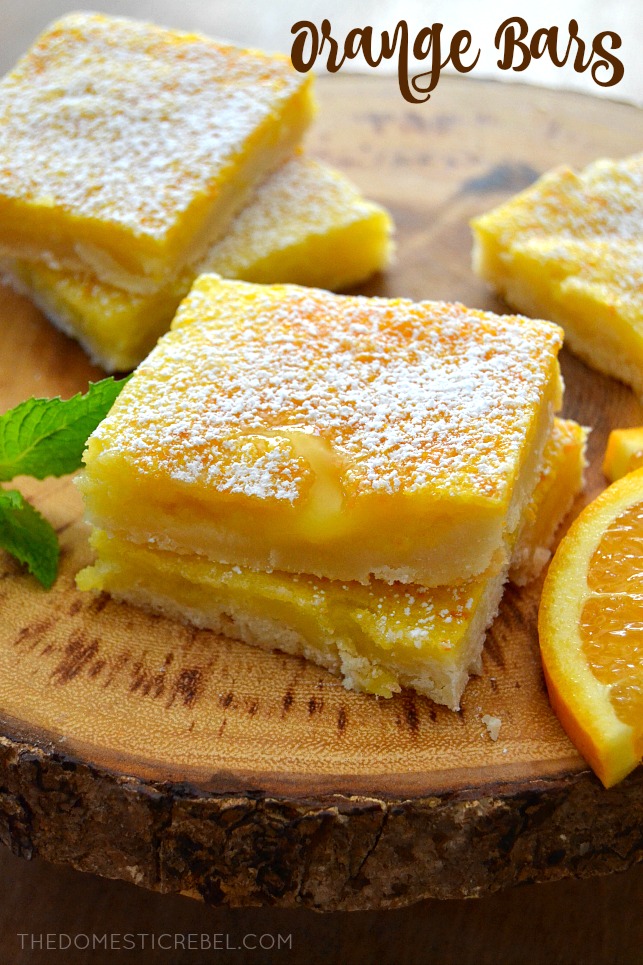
[[561, 480], [395, 629], [307, 225], [379, 636], [286, 428], [90, 180], [570, 248]]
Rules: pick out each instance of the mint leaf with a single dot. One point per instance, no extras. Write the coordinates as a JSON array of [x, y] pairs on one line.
[[28, 536], [46, 437], [39, 438]]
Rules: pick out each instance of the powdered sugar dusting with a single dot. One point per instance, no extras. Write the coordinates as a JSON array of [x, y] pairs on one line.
[[126, 122], [405, 397], [586, 228], [399, 617], [301, 200]]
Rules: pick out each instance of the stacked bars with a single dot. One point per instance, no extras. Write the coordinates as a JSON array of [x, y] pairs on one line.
[[570, 248], [378, 636], [344, 478], [306, 224], [127, 151]]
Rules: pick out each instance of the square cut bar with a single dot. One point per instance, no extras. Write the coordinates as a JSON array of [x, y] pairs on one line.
[[279, 427], [379, 637], [306, 224], [126, 149], [570, 248]]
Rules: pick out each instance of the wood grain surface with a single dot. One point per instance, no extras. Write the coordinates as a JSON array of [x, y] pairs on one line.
[[138, 748]]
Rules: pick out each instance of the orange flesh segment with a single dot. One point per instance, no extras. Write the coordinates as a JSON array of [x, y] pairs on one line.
[[611, 625]]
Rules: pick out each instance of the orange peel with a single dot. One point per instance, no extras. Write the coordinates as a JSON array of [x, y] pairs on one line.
[[590, 628]]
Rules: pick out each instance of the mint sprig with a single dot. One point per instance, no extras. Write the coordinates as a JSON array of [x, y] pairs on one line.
[[28, 536], [46, 437], [40, 438]]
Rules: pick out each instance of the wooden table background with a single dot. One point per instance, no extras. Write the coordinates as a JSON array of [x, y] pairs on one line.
[[595, 921]]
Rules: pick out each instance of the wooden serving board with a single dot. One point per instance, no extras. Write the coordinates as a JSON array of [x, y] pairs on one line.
[[137, 748]]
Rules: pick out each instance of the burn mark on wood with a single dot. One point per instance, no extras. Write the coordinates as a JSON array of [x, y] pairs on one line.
[[96, 668], [64, 526], [190, 636], [78, 654], [158, 687], [100, 602], [33, 633], [140, 679], [186, 687], [160, 677], [9, 566], [116, 666], [150, 682]]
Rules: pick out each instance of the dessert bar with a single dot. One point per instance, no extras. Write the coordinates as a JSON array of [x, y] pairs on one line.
[[570, 248], [126, 149], [280, 427], [306, 224], [379, 637]]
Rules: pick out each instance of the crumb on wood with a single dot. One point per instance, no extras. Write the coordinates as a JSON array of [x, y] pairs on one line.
[[493, 725]]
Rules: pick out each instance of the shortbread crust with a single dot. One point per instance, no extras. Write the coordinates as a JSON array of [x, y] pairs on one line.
[[379, 637]]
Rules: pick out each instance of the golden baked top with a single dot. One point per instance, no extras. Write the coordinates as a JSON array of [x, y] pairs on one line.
[[306, 224], [263, 390], [131, 124], [303, 199], [589, 225]]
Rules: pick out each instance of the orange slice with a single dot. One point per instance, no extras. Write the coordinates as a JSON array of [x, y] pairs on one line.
[[624, 452], [591, 630]]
